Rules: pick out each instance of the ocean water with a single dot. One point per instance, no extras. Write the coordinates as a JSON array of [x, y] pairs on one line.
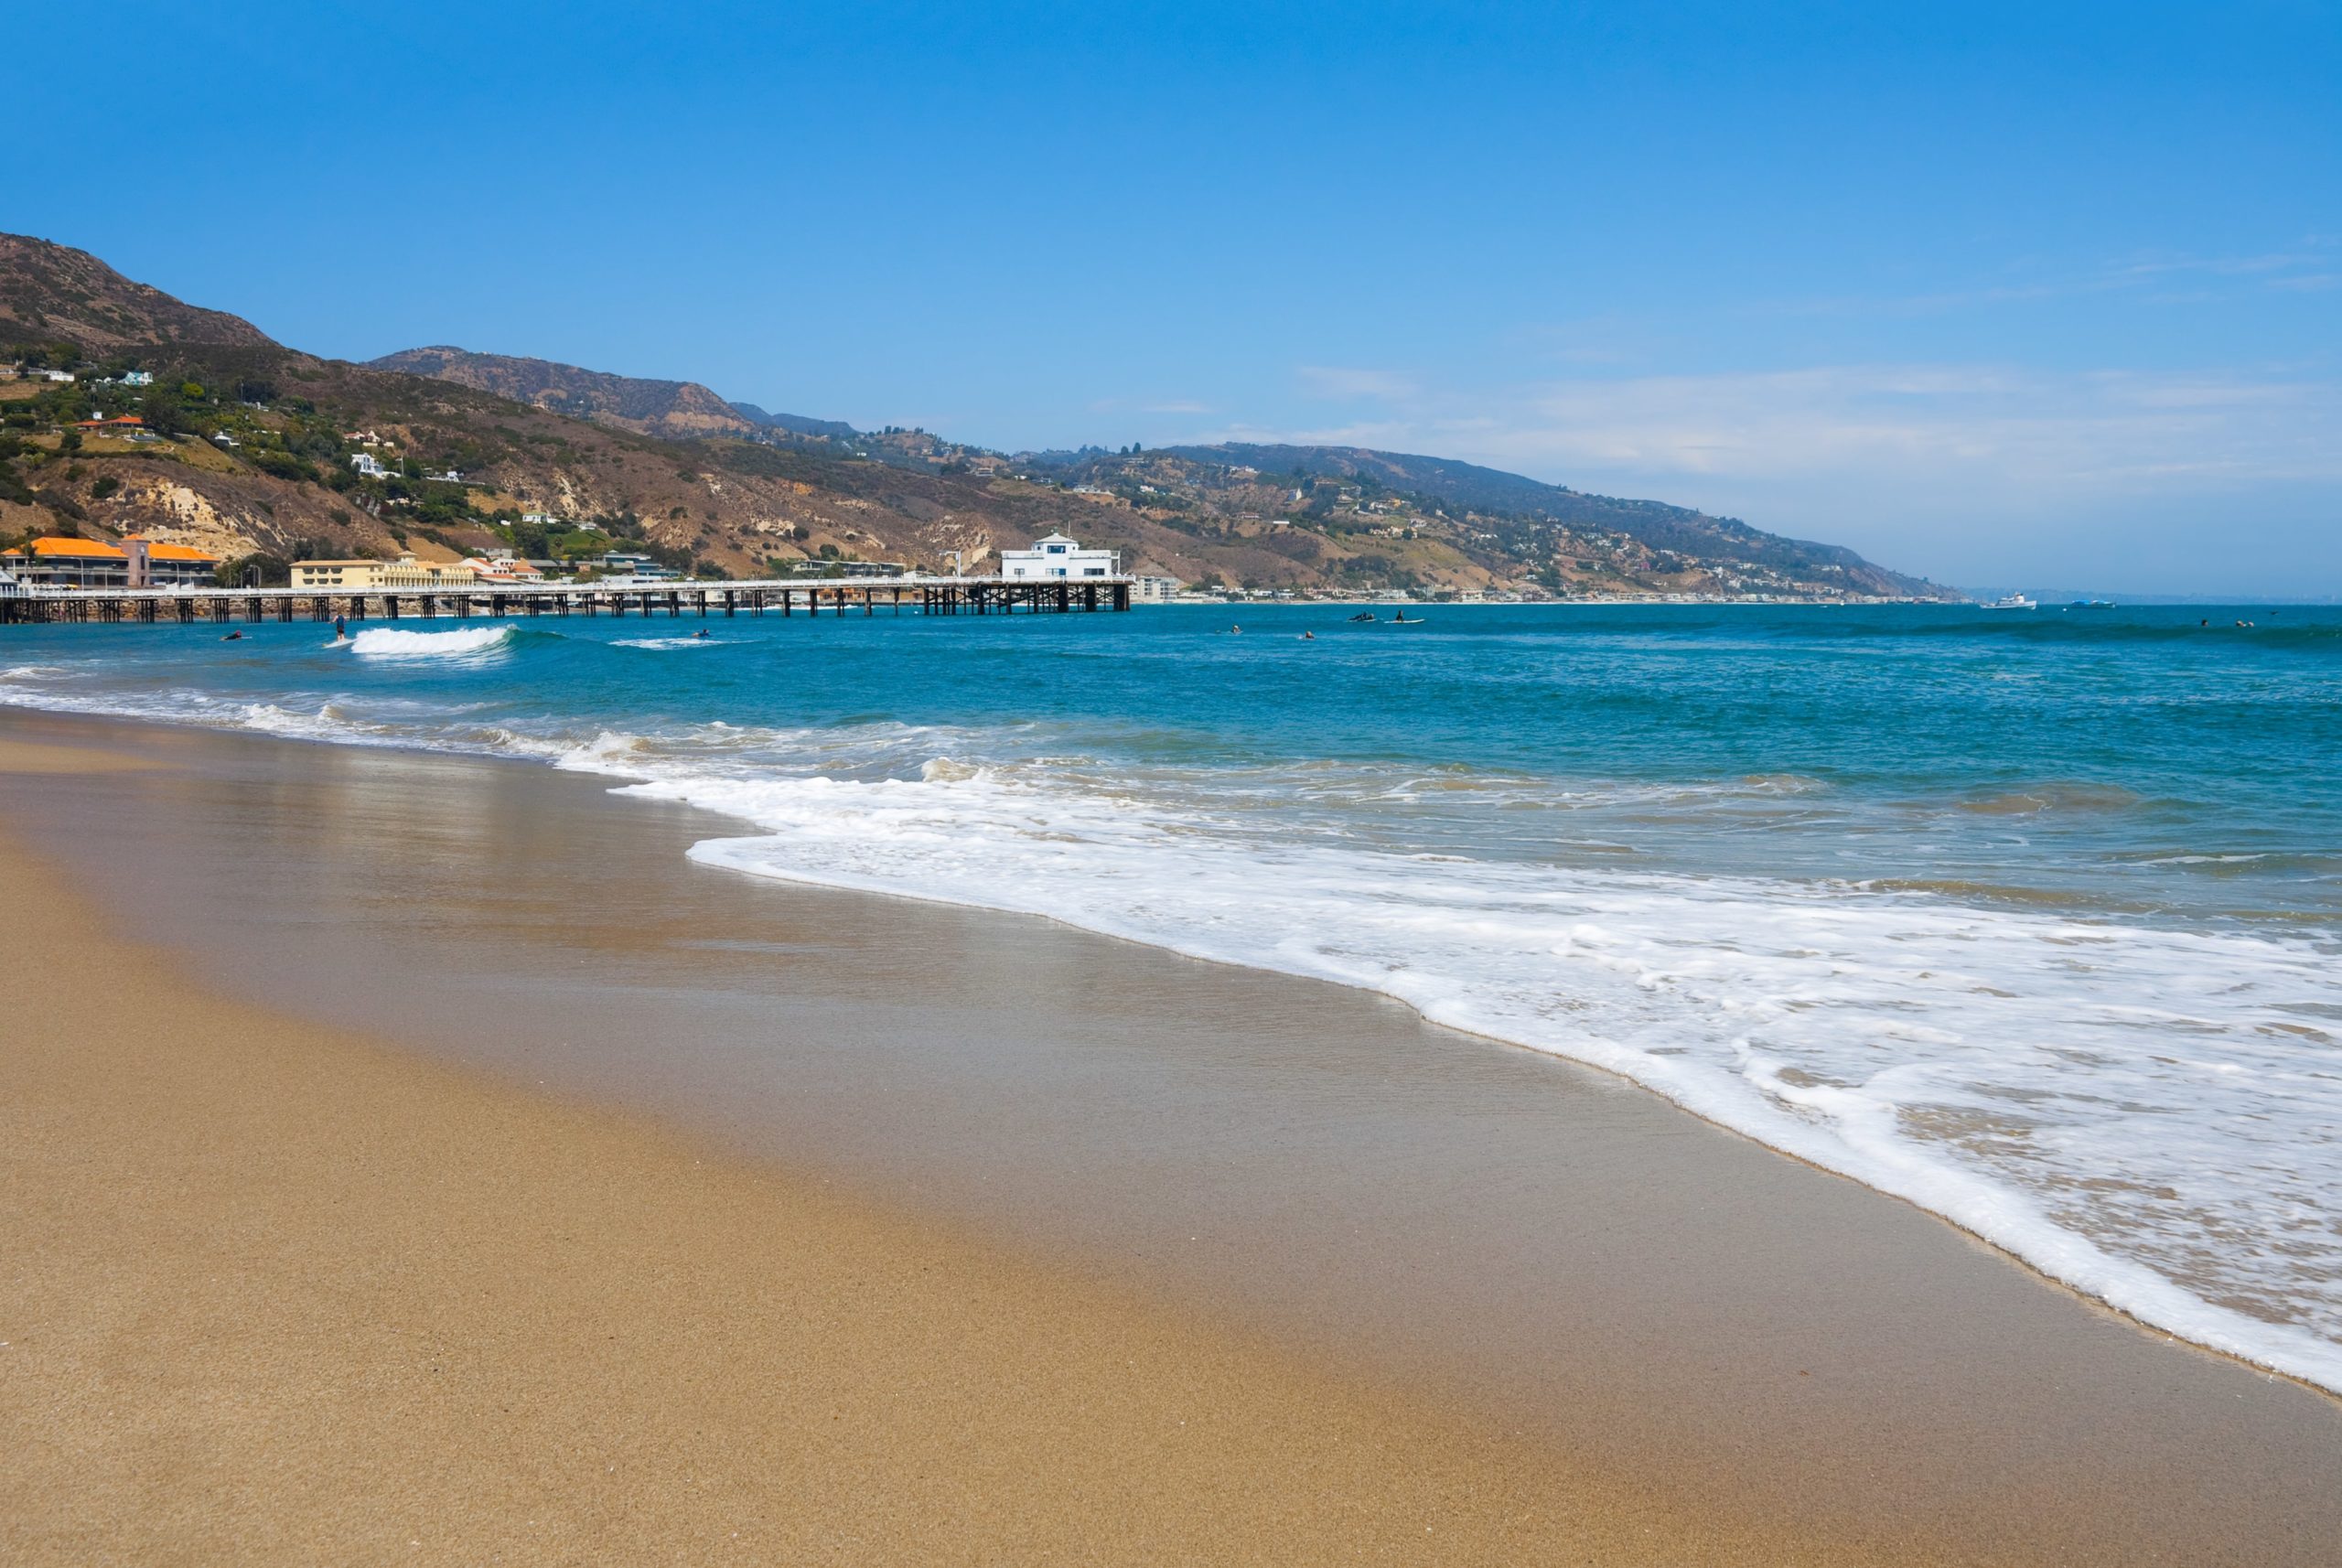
[[2030, 917]]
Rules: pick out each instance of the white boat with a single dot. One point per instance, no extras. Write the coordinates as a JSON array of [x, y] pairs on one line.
[[2014, 602]]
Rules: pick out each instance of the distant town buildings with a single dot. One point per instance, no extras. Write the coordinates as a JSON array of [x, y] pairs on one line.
[[1149, 589], [135, 563], [1058, 556], [368, 575], [504, 566], [625, 566]]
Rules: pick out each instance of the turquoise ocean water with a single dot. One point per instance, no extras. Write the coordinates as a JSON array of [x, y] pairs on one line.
[[2032, 918]]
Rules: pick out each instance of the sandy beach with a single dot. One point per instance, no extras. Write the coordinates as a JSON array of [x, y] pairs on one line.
[[275, 1295], [280, 1288]]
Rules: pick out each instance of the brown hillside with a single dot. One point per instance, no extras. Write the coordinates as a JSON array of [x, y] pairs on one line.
[[52, 293], [733, 505], [261, 443], [677, 409]]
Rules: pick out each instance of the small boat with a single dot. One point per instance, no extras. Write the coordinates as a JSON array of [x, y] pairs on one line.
[[2014, 602]]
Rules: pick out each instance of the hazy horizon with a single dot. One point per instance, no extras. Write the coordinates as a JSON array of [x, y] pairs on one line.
[[2000, 299]]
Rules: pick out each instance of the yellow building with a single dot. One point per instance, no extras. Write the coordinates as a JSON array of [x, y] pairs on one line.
[[370, 576]]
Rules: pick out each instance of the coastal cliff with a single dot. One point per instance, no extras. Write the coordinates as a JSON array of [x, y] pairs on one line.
[[268, 454]]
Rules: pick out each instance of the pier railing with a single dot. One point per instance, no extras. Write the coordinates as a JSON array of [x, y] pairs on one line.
[[868, 596]]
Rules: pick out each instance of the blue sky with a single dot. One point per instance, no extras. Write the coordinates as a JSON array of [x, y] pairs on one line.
[[2004, 294]]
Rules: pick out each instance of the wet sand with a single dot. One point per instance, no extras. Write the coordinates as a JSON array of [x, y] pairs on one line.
[[1415, 1279]]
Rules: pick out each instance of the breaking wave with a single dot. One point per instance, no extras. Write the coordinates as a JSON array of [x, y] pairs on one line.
[[465, 642]]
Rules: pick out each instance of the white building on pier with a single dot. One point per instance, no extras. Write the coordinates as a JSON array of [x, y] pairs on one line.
[[1058, 556]]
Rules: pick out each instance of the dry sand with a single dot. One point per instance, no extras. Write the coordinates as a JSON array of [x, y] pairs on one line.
[[273, 1294], [274, 1290]]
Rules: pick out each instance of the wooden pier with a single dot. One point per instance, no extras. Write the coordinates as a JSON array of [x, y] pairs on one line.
[[921, 596]]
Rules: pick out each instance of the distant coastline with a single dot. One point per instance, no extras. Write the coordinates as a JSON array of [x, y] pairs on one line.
[[132, 413]]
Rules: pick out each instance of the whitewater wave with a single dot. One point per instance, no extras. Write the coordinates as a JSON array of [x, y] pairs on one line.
[[465, 642], [1993, 1066], [2152, 1115], [665, 642]]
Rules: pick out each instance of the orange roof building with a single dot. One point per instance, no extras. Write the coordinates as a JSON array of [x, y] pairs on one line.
[[135, 563]]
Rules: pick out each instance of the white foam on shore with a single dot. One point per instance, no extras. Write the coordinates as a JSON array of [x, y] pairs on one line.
[[2151, 1116]]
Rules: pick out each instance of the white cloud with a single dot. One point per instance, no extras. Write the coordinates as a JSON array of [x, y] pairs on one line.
[[1986, 429], [1349, 383], [2149, 277], [1975, 473], [1991, 427]]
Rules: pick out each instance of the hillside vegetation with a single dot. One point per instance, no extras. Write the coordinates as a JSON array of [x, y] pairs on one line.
[[679, 409], [251, 445], [50, 293]]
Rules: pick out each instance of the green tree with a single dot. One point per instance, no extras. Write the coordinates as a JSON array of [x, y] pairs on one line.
[[162, 411], [283, 466], [257, 570]]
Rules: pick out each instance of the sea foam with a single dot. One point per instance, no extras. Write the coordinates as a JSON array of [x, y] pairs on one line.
[[471, 641], [2028, 1019], [1999, 1067]]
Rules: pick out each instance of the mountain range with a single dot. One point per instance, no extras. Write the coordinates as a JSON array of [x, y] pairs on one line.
[[262, 468]]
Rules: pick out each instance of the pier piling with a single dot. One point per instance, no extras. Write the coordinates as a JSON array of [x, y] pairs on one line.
[[41, 605]]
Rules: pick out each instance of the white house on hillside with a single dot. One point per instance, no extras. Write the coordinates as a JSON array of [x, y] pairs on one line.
[[1058, 556]]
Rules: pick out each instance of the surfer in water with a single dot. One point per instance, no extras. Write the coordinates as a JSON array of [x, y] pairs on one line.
[[702, 633], [233, 636], [340, 629]]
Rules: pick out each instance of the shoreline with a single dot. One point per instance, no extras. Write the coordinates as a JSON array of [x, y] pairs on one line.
[[1964, 1400], [1997, 1217], [281, 1296]]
